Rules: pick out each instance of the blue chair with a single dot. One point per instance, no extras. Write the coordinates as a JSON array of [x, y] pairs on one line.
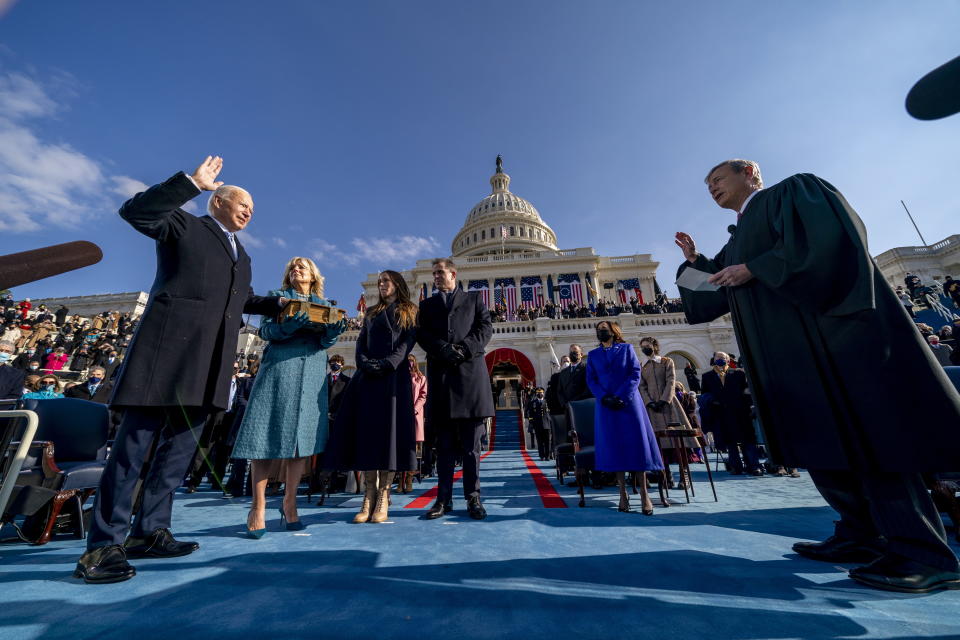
[[68, 456]]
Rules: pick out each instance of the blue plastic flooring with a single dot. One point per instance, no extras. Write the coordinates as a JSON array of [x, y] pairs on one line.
[[703, 570]]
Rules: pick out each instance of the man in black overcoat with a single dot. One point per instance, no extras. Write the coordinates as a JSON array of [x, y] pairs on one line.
[[726, 412], [808, 304], [572, 381], [454, 329], [178, 368]]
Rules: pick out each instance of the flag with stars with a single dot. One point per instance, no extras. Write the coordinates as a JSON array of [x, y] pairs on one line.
[[531, 291], [483, 287]]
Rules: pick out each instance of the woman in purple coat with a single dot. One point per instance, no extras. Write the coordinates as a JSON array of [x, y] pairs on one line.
[[623, 436]]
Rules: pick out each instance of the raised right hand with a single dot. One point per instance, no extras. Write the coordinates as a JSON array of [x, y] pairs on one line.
[[206, 174], [687, 245]]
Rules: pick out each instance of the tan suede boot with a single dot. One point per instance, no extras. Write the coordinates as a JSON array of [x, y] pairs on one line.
[[369, 497], [381, 512]]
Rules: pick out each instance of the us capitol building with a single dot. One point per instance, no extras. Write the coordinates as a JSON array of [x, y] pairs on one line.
[[506, 252]]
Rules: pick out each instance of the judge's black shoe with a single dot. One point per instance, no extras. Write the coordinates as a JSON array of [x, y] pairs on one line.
[[835, 549], [475, 510], [104, 565], [159, 544], [438, 509], [896, 573]]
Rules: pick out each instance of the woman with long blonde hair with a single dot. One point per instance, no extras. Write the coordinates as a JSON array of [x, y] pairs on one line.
[[286, 416], [375, 428]]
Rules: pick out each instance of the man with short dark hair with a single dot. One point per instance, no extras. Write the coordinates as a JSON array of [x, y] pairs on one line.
[[454, 328], [97, 387], [828, 398]]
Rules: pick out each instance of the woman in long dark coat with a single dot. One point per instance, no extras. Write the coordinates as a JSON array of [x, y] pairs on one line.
[[375, 428]]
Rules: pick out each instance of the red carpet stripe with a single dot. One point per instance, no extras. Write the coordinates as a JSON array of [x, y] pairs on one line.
[[548, 495], [431, 494]]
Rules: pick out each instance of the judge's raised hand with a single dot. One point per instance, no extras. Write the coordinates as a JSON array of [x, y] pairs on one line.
[[206, 174], [732, 276], [687, 245]]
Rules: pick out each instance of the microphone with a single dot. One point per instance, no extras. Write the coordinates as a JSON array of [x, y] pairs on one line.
[[732, 229], [37, 264]]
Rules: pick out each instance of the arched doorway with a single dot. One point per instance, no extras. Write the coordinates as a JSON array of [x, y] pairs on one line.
[[509, 371]]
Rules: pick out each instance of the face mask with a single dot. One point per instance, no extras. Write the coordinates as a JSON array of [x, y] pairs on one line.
[[48, 388], [574, 357], [647, 351], [336, 366], [4, 357], [94, 380], [604, 335], [34, 367], [539, 396], [720, 362]]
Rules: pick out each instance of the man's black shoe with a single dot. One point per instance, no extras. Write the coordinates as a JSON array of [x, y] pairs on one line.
[[104, 565], [475, 510], [159, 544], [835, 549], [896, 573], [438, 510]]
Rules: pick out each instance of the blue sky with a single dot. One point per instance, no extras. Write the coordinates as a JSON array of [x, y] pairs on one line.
[[366, 131]]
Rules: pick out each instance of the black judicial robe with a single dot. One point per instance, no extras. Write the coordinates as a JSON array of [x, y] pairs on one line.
[[840, 376]]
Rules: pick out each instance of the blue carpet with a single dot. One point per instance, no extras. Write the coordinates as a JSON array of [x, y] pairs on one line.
[[702, 570]]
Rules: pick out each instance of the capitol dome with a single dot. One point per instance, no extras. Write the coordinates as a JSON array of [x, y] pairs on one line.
[[525, 229]]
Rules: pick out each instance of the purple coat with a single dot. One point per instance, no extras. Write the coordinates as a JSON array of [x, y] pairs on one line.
[[623, 438]]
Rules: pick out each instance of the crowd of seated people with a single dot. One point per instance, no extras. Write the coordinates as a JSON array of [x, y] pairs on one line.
[[570, 310]]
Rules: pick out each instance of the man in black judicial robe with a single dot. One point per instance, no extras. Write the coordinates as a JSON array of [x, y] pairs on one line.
[[454, 328], [178, 368], [808, 305]]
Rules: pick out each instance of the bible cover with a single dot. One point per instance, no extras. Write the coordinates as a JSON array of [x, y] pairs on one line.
[[319, 313]]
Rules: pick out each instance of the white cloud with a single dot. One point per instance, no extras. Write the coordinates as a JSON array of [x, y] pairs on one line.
[[22, 97], [250, 240], [280, 242], [127, 187], [385, 252], [44, 183], [191, 206]]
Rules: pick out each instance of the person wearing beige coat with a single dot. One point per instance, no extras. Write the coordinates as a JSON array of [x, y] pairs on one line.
[[658, 381]]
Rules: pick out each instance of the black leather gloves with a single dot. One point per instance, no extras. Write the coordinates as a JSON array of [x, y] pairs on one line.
[[612, 402]]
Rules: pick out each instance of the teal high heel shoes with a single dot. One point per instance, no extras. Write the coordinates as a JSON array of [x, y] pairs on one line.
[[291, 526], [255, 534]]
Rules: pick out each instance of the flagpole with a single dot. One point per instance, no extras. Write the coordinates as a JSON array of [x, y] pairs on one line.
[[914, 223]]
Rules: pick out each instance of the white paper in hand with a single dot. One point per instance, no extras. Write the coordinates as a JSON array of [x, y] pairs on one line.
[[696, 280]]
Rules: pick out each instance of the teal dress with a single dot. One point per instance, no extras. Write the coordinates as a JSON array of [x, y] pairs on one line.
[[286, 414]]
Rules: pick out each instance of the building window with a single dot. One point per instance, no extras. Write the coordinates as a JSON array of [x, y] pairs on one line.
[[483, 234], [512, 231], [474, 237], [492, 235]]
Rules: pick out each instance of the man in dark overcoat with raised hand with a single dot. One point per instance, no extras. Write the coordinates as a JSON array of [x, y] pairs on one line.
[[454, 329], [178, 368], [808, 305]]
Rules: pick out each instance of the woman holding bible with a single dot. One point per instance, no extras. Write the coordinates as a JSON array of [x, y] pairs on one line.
[[286, 418]]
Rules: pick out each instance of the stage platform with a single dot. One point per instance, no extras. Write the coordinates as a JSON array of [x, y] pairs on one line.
[[537, 567]]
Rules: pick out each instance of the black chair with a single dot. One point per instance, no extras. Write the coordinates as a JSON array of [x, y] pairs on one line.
[[67, 456], [580, 417], [563, 453], [17, 430]]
